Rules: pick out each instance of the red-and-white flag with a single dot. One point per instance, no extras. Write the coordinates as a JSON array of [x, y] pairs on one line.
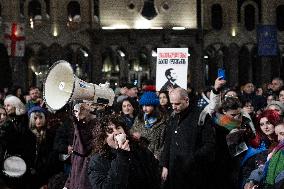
[[14, 34]]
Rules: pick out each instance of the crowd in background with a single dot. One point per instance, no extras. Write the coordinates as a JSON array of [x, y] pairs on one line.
[[221, 137]]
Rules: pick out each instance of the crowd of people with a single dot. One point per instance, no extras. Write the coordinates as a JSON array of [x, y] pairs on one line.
[[222, 138]]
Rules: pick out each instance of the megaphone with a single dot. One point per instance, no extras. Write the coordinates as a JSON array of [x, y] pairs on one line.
[[62, 86]]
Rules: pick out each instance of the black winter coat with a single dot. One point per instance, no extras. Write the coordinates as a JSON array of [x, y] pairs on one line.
[[124, 170], [188, 151]]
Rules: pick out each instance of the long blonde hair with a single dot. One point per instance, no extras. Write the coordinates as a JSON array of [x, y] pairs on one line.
[[40, 135]]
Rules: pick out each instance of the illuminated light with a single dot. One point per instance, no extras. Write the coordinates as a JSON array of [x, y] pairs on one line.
[[154, 53], [84, 52], [115, 84], [205, 56], [234, 33], [55, 31], [108, 28], [156, 28], [116, 26], [70, 18], [142, 24], [121, 53], [32, 23], [178, 28], [188, 54]]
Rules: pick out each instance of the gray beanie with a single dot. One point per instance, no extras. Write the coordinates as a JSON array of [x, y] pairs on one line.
[[277, 103]]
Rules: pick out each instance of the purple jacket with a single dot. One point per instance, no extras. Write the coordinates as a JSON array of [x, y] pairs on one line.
[[82, 146]]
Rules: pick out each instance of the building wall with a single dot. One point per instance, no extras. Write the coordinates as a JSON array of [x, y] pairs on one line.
[[223, 49]]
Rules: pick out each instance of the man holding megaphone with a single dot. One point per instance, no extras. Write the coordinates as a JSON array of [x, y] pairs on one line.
[[84, 123], [62, 86]]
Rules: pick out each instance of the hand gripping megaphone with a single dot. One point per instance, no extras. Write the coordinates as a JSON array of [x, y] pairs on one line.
[[62, 86]]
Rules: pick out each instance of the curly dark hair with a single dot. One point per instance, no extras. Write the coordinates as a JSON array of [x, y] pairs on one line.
[[100, 133]]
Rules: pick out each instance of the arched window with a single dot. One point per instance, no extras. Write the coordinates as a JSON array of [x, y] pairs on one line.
[[280, 17], [96, 10], [216, 16], [73, 9], [47, 5], [249, 17], [149, 11], [22, 5], [34, 8]]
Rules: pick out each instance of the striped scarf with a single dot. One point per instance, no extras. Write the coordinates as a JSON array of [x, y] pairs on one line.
[[226, 121]]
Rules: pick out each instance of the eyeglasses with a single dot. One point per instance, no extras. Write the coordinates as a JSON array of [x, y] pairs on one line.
[[230, 96], [236, 115]]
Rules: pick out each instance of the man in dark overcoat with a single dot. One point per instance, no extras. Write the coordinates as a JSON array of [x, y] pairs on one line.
[[189, 147]]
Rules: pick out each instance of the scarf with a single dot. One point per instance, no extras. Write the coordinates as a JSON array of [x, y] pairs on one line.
[[226, 121], [275, 165], [150, 120], [40, 135]]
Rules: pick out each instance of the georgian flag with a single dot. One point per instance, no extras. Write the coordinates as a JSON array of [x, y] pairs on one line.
[[14, 34]]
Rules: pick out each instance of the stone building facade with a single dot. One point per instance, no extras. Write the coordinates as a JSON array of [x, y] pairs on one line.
[[117, 40]]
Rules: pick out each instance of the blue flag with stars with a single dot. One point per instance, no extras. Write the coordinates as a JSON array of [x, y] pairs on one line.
[[267, 40]]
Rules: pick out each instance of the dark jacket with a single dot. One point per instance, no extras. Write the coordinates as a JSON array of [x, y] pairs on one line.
[[227, 167], [18, 140], [124, 170], [188, 151]]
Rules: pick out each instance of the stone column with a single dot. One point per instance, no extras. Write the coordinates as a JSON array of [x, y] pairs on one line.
[[97, 65], [267, 18], [197, 73], [232, 63]]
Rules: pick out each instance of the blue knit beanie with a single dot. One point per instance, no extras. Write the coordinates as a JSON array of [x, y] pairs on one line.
[[36, 109], [149, 98]]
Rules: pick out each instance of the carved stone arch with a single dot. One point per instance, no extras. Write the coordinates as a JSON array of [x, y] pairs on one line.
[[149, 10], [213, 59], [245, 65], [279, 15], [36, 46], [108, 62], [254, 4], [216, 20], [142, 66], [56, 53], [76, 1], [42, 5]]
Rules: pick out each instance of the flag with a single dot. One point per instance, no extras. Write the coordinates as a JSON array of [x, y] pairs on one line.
[[267, 40], [14, 34]]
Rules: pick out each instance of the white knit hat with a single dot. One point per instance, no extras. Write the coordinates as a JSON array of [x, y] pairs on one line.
[[17, 103]]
